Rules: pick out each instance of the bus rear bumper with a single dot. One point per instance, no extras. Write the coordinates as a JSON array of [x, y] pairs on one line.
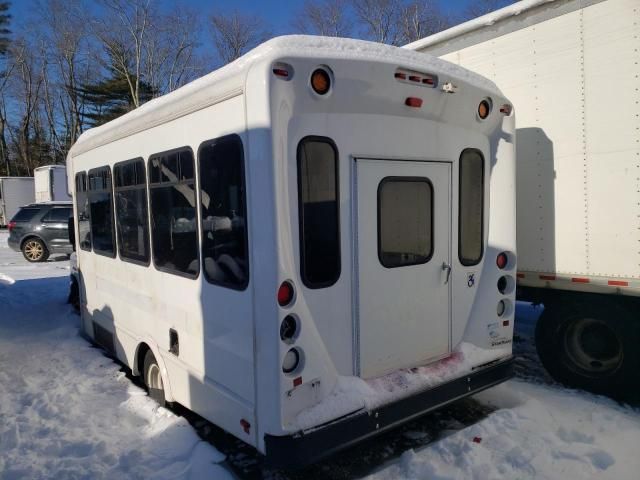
[[304, 448]]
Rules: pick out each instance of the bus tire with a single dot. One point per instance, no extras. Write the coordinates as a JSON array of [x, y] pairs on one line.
[[590, 345], [34, 250], [153, 379]]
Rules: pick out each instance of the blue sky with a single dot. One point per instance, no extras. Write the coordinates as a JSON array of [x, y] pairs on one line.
[[277, 13]]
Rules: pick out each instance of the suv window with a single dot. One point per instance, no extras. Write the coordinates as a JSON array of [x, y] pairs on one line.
[[58, 215], [25, 214]]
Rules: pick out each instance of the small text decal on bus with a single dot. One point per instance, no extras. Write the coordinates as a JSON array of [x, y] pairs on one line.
[[471, 279]]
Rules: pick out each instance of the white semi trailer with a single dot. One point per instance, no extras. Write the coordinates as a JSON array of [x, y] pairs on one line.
[[572, 70], [51, 183], [14, 193]]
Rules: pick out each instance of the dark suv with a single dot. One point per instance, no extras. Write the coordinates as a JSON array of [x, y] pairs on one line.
[[41, 229]]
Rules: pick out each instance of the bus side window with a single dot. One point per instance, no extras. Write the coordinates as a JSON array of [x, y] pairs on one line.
[[82, 207], [131, 211], [174, 231], [224, 212], [318, 211], [101, 208], [471, 204]]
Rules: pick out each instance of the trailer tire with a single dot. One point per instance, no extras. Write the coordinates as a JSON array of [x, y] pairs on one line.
[[153, 379], [34, 250], [590, 345]]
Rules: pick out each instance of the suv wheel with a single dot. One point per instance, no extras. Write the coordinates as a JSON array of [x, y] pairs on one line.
[[34, 250]]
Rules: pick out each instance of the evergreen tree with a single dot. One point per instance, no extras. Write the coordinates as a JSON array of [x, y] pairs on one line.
[[110, 98], [5, 18]]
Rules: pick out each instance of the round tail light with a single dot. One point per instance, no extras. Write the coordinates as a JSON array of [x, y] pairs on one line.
[[291, 360], [483, 109], [288, 329], [320, 81], [502, 284], [285, 294], [502, 260], [502, 306]]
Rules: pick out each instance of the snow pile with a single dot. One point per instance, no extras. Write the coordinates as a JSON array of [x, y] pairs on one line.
[[538, 432], [352, 393], [66, 410]]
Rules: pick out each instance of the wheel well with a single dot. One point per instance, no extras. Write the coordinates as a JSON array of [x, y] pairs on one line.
[[143, 348], [29, 237]]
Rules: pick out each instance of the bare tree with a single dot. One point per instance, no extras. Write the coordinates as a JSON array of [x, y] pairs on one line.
[[328, 18], [381, 19], [419, 19], [170, 58], [235, 34], [26, 84], [123, 30]]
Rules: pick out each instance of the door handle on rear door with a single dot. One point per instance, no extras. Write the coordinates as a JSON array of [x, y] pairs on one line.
[[446, 267]]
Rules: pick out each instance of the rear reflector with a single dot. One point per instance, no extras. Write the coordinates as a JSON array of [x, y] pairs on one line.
[[547, 277], [414, 102], [280, 72], [580, 280], [297, 381], [246, 426], [618, 283], [506, 109]]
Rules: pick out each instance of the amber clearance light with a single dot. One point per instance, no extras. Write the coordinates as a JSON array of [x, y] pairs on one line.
[[320, 81], [483, 109]]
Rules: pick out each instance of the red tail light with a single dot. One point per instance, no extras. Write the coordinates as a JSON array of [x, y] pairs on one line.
[[502, 260], [11, 226], [285, 294], [413, 102]]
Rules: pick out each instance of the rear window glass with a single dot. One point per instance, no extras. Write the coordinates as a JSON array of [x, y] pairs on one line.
[[25, 214], [405, 226], [471, 207], [318, 211]]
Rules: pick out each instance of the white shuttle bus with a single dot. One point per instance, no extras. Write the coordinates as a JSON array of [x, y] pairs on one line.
[[306, 247]]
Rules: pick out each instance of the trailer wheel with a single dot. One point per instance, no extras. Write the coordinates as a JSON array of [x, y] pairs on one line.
[[34, 250], [153, 379], [590, 345]]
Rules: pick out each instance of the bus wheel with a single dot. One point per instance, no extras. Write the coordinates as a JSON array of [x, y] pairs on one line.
[[590, 345], [153, 379], [34, 250]]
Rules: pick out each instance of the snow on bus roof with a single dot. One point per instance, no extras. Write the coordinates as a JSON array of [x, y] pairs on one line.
[[228, 81], [476, 24]]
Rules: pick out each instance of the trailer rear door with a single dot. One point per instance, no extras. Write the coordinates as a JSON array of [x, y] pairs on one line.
[[403, 224]]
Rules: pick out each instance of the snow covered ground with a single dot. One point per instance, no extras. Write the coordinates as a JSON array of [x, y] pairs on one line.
[[67, 411]]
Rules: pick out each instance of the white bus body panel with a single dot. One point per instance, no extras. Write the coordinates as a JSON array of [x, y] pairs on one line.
[[229, 369], [51, 183], [572, 70], [15, 192]]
